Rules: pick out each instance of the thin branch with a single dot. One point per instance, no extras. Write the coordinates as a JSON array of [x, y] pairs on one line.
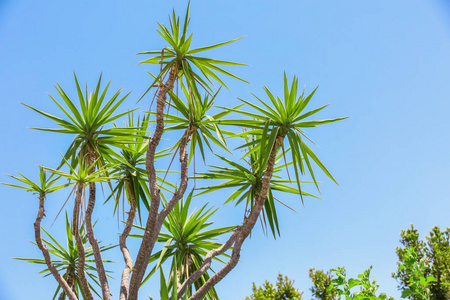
[[37, 232], [242, 233], [123, 245], [80, 245], [207, 263], [145, 249], [90, 230]]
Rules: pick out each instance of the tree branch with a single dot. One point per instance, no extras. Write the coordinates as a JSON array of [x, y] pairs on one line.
[[146, 247], [80, 245], [207, 263], [90, 231], [243, 232], [37, 233], [123, 244]]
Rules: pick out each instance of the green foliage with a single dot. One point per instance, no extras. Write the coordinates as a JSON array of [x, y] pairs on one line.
[[367, 287], [323, 288], [284, 290], [283, 119], [42, 188], [424, 259], [87, 122], [180, 58], [194, 115], [418, 286], [246, 181], [104, 152], [188, 240]]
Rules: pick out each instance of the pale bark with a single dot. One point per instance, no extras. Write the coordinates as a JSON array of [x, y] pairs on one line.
[[153, 236], [80, 245], [37, 233], [207, 263], [71, 285], [239, 235], [123, 245], [90, 231], [149, 239]]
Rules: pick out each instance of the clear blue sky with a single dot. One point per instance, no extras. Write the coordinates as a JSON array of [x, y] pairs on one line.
[[386, 64]]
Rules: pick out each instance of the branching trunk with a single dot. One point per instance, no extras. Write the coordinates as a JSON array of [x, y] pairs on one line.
[[90, 232], [236, 240], [80, 245], [207, 263], [149, 239], [123, 245], [37, 233]]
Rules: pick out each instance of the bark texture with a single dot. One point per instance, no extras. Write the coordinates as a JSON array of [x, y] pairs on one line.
[[123, 245], [237, 238], [149, 239], [37, 233], [90, 231], [84, 285]]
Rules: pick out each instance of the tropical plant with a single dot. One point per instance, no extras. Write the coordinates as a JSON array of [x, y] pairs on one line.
[[186, 242], [102, 152], [247, 182], [284, 290]]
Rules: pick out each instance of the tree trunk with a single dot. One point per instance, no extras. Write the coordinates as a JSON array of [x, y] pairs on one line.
[[90, 230], [149, 239], [238, 236], [123, 244], [80, 245], [37, 233]]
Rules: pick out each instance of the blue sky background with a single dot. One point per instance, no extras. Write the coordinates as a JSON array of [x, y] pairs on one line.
[[386, 64]]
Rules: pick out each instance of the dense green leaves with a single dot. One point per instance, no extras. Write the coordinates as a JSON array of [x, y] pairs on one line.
[[424, 259], [284, 119], [193, 114], [284, 290], [367, 287], [323, 288], [87, 121], [188, 239], [246, 181], [179, 57]]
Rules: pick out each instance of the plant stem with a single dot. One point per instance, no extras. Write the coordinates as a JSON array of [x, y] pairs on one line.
[[149, 238], [37, 233], [80, 244], [123, 244], [238, 237], [90, 230]]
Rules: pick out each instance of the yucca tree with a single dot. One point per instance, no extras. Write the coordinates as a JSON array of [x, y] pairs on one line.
[[187, 241], [88, 120], [89, 123], [84, 176], [275, 140], [246, 181], [269, 128], [45, 186], [131, 185], [181, 63], [194, 113], [67, 261], [285, 119]]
